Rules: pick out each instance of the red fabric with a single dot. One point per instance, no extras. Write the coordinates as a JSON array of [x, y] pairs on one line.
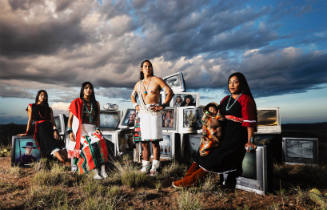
[[248, 110], [76, 109], [233, 118], [89, 159], [103, 147]]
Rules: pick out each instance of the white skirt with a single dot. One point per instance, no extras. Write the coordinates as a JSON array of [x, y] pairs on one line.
[[150, 125]]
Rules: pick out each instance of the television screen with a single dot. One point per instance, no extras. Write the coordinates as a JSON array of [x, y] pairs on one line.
[[184, 99], [167, 146], [125, 141], [268, 120], [255, 176], [128, 119], [189, 119], [24, 151], [194, 143], [109, 120], [169, 119], [300, 150], [175, 82]]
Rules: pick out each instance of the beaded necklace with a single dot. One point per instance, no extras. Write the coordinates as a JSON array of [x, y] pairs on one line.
[[146, 88], [87, 111], [228, 107]]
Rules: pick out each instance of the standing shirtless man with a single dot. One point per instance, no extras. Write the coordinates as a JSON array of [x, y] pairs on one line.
[[148, 92]]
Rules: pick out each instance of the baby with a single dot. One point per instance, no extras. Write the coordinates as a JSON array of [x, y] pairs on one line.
[[211, 128]]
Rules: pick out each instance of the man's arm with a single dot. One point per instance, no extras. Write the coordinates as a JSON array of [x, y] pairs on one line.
[[133, 98]]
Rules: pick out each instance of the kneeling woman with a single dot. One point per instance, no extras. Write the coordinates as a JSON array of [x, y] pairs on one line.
[[239, 111], [45, 132], [91, 151]]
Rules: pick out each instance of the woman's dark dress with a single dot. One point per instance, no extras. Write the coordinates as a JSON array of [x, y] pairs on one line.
[[230, 153], [43, 131]]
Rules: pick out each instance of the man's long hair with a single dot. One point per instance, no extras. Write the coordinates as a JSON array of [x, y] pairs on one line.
[[141, 73], [93, 101]]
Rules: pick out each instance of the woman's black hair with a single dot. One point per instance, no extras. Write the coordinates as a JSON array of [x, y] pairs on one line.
[[46, 97], [244, 87], [92, 99], [191, 100], [141, 73]]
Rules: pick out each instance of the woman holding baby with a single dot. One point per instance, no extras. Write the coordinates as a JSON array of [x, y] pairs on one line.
[[237, 117]]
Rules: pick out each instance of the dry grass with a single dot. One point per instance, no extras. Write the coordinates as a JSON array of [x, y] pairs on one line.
[[188, 201]]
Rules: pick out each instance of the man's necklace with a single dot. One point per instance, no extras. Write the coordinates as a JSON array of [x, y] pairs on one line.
[[228, 107], [146, 88]]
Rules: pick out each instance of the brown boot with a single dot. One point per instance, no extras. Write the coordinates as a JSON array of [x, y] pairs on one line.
[[192, 168], [188, 181]]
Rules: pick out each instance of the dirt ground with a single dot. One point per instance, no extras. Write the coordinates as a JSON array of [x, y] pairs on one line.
[[16, 186]]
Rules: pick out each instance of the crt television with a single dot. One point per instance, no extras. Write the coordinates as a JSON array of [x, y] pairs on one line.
[[190, 145], [112, 137], [169, 119], [183, 98], [297, 150], [24, 151], [61, 122], [175, 82], [256, 171], [128, 119], [268, 121], [189, 119], [109, 120]]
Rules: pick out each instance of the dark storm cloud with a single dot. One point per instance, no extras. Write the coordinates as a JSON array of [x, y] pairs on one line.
[[68, 42]]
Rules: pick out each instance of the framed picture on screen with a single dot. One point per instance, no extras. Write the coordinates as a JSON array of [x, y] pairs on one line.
[[24, 151]]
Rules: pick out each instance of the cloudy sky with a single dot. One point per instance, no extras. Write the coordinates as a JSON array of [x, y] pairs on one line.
[[280, 46]]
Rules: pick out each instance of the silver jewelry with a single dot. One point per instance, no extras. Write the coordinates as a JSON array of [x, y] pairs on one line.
[[228, 107]]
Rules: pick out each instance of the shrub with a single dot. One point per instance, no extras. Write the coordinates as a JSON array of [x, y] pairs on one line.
[[188, 201]]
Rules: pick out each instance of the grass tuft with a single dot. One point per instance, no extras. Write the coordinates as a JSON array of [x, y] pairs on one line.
[[188, 201]]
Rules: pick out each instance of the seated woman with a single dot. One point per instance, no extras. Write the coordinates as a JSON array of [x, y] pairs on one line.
[[45, 132], [91, 150], [239, 110]]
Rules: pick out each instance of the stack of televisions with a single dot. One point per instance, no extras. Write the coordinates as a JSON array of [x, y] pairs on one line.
[[181, 138]]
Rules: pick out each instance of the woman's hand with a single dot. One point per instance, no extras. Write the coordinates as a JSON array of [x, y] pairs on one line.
[[55, 134], [71, 136], [250, 146], [22, 134]]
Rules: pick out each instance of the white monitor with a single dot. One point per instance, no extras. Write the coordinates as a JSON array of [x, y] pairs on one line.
[[189, 119], [175, 82], [268, 121], [300, 150], [24, 151], [109, 120], [183, 99], [128, 119], [112, 137], [169, 119], [254, 177]]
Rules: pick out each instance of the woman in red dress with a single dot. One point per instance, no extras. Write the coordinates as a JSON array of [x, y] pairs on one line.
[[239, 111]]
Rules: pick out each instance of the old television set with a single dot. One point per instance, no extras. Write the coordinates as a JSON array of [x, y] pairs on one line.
[[184, 99], [175, 82], [112, 136], [268, 121], [61, 122], [189, 119], [190, 145], [109, 120], [169, 119], [128, 119], [169, 147], [298, 150], [256, 171], [125, 143], [24, 151]]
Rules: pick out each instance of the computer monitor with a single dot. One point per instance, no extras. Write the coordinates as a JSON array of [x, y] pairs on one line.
[[24, 151], [169, 119], [175, 82], [268, 121], [128, 119], [184, 99], [109, 120], [112, 138], [189, 119], [297, 150], [255, 176]]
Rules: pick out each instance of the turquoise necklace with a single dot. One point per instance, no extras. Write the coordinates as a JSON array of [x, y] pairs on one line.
[[89, 112], [146, 88], [228, 107]]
